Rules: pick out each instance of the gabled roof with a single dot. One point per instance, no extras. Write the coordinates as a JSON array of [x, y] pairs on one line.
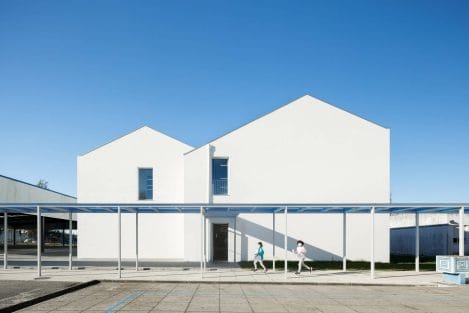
[[231, 131], [35, 186], [132, 132], [278, 108]]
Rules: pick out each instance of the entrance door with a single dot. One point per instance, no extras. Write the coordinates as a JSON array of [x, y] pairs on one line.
[[220, 242]]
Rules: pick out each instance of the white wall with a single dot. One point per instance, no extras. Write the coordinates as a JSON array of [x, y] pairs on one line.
[[305, 152], [161, 236], [110, 174], [197, 169]]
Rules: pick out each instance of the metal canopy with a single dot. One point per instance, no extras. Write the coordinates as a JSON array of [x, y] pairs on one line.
[[231, 209]]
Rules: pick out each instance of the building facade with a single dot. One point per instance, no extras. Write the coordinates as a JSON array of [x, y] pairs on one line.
[[306, 151]]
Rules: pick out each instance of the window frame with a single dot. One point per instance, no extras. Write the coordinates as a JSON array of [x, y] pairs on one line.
[[152, 183], [227, 175]]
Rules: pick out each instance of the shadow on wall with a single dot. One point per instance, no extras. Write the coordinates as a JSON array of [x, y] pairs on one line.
[[264, 234]]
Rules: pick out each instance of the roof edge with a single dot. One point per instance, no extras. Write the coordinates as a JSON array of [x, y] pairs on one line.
[[32, 185], [129, 133], [278, 108]]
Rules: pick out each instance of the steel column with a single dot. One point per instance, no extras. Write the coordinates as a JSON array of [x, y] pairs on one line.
[[201, 242], [136, 240], [5, 240], [273, 241], [344, 241], [372, 259], [205, 243], [70, 240], [417, 242], [39, 241], [234, 239], [285, 243], [461, 231], [119, 242]]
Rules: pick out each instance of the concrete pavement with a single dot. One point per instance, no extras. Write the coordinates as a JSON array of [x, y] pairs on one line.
[[196, 297]]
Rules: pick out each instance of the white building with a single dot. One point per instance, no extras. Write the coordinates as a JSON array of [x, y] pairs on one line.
[[306, 151]]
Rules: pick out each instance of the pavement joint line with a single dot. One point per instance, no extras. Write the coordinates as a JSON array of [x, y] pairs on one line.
[[249, 303], [164, 297], [190, 301]]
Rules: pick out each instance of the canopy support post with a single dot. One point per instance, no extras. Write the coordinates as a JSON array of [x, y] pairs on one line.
[[461, 231], [5, 240], [417, 242], [234, 239], [205, 244], [201, 242], [39, 240], [273, 241], [119, 242], [70, 240], [136, 240], [344, 241], [372, 259], [285, 243]]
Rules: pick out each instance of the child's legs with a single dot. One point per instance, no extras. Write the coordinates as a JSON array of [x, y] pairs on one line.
[[301, 264], [262, 264]]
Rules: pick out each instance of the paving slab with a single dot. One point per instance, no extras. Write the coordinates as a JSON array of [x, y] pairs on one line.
[[202, 297]]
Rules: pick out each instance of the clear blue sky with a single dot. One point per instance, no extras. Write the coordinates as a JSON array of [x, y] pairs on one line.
[[75, 74]]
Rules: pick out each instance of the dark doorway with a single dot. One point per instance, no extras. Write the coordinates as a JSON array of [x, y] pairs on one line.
[[220, 242]]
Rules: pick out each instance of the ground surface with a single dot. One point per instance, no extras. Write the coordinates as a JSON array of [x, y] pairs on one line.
[[178, 297], [13, 292]]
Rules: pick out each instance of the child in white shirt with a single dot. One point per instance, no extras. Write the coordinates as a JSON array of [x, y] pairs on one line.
[[300, 252]]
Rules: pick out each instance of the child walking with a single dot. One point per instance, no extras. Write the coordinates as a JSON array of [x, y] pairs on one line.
[[300, 252], [259, 257]]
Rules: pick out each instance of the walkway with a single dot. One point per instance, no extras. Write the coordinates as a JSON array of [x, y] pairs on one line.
[[235, 275]]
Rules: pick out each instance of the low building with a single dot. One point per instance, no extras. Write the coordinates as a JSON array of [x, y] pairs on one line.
[[439, 234], [22, 227]]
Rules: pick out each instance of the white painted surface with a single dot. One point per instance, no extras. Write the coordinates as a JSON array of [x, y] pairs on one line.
[[307, 151], [110, 174]]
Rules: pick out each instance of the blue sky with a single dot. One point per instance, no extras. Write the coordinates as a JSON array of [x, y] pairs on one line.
[[75, 74]]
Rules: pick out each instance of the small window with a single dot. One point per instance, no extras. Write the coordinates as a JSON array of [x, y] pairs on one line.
[[145, 184], [220, 176]]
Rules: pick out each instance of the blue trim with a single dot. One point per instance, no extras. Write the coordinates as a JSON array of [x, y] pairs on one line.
[[227, 208], [121, 303], [29, 184]]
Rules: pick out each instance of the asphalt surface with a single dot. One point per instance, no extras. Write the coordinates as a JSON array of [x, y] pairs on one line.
[[179, 297], [14, 292]]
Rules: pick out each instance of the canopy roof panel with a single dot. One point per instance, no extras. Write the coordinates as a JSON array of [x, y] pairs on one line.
[[232, 209]]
